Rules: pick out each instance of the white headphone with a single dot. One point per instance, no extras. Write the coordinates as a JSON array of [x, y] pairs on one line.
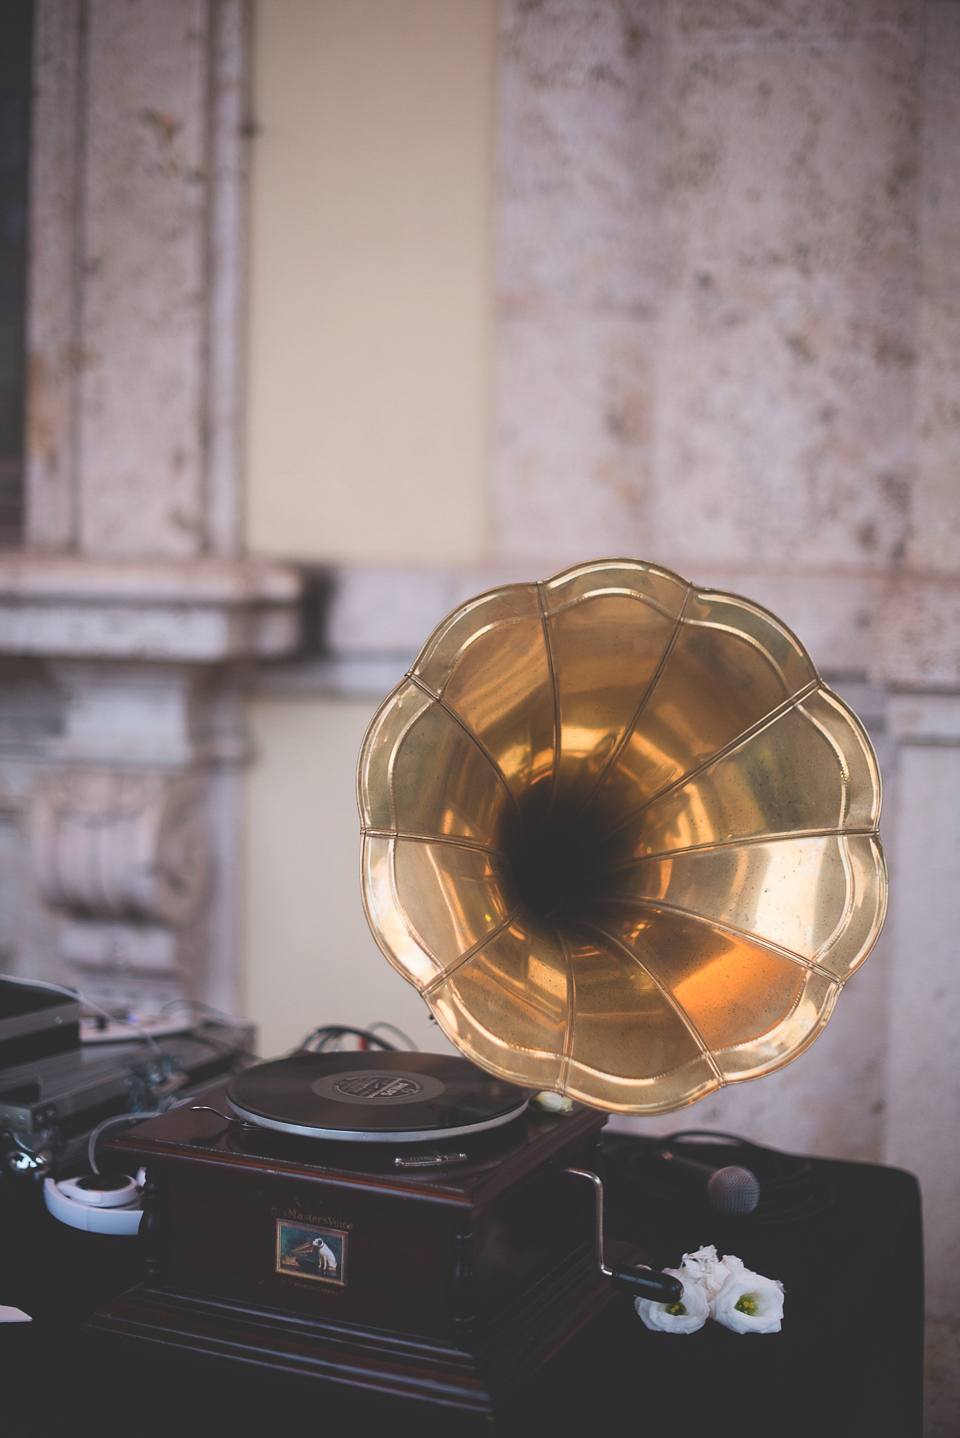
[[96, 1202]]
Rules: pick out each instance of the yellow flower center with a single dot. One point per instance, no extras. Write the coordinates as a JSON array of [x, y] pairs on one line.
[[676, 1309], [748, 1305]]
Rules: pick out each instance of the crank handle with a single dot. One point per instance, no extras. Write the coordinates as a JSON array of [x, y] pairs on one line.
[[641, 1282], [647, 1283]]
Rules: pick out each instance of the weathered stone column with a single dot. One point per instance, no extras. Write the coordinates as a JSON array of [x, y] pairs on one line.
[[923, 1089], [130, 608]]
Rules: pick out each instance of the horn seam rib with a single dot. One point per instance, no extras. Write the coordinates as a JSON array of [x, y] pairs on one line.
[[831, 740], [470, 735], [566, 1058], [744, 737], [624, 739], [798, 1000], [622, 592], [435, 983], [751, 642], [672, 1001], [781, 837], [452, 841], [551, 666], [726, 928]]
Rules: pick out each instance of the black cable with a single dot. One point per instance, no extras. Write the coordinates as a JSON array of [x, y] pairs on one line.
[[383, 1024], [328, 1032]]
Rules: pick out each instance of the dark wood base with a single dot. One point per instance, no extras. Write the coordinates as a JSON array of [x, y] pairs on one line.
[[476, 1376]]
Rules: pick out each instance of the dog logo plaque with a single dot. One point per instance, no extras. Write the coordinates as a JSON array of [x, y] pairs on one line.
[[304, 1250]]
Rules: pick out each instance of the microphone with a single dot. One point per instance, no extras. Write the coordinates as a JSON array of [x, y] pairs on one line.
[[728, 1190]]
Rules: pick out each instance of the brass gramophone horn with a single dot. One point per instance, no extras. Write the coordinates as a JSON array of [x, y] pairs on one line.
[[621, 836]]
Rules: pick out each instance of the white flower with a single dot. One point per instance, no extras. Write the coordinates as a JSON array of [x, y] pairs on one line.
[[687, 1316], [719, 1288], [749, 1303], [551, 1102], [706, 1268]]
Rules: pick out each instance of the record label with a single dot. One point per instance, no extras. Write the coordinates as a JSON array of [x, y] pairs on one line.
[[380, 1087]]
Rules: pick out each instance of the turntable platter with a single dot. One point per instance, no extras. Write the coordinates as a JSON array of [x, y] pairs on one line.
[[374, 1097]]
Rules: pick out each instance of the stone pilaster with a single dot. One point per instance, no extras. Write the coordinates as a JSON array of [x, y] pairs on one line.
[[129, 610]]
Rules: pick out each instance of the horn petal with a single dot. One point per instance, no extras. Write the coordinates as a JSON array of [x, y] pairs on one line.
[[620, 836]]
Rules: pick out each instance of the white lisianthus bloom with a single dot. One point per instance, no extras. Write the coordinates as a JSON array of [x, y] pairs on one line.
[[749, 1303], [687, 1316], [709, 1270], [551, 1102]]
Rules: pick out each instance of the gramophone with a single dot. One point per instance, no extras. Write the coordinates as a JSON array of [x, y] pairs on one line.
[[622, 839]]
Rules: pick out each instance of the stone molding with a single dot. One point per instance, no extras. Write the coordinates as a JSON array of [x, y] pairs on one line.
[[154, 717], [923, 718], [206, 610], [898, 630]]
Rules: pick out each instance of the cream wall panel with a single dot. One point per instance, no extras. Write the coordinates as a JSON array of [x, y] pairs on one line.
[[369, 282], [309, 955]]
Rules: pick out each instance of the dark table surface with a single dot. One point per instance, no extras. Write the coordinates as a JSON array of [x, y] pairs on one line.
[[848, 1360]]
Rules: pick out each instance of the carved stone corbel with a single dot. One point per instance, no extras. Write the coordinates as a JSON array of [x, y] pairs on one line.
[[122, 846], [129, 858]]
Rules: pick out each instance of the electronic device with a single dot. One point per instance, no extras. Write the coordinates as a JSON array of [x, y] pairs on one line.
[[36, 1021], [49, 1107], [623, 841], [102, 1029], [728, 1188], [789, 1188]]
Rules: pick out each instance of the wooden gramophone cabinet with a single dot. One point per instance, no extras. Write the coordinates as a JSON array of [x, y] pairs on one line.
[[453, 1284]]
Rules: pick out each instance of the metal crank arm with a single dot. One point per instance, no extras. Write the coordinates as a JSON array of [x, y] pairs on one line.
[[641, 1281]]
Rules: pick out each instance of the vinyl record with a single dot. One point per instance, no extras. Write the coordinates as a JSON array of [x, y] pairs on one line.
[[374, 1097]]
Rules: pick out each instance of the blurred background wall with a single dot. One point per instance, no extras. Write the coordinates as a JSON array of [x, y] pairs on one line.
[[342, 310], [369, 426]]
